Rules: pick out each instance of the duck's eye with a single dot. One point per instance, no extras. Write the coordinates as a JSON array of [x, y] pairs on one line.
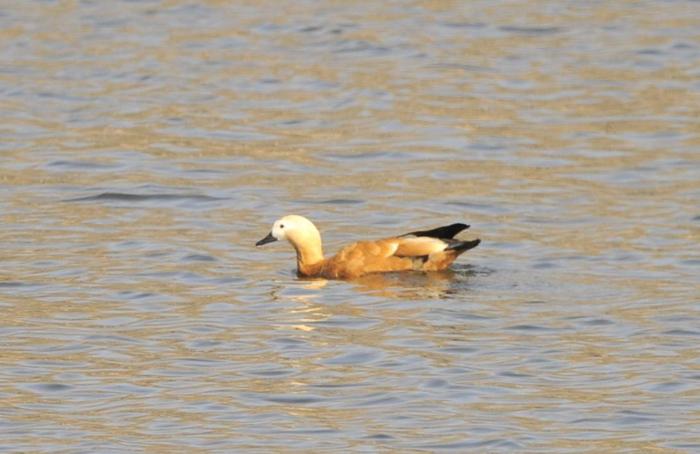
[[281, 226]]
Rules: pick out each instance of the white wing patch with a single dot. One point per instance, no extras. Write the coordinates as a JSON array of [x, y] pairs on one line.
[[420, 246]]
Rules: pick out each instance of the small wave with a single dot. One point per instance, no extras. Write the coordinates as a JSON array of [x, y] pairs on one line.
[[531, 30], [126, 197]]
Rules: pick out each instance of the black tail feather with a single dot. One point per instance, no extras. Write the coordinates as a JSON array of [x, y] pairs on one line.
[[462, 246], [446, 232]]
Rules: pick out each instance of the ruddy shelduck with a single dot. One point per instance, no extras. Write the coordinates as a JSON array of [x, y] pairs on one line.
[[426, 250]]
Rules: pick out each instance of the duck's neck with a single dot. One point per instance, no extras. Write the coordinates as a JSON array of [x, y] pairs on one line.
[[309, 258]]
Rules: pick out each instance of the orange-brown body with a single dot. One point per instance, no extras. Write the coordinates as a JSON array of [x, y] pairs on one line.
[[387, 255], [420, 251]]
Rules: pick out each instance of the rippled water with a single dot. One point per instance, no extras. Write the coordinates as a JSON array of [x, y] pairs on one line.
[[148, 145]]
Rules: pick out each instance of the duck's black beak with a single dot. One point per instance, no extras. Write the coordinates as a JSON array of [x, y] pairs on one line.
[[268, 239]]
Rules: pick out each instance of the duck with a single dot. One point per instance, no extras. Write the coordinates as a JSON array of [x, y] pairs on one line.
[[422, 250]]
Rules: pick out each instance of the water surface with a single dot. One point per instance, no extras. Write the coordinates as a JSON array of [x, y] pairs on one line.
[[148, 145]]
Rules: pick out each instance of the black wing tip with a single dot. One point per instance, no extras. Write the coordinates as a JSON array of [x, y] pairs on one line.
[[444, 232]]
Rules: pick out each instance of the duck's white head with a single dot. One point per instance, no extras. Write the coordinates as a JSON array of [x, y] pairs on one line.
[[298, 230]]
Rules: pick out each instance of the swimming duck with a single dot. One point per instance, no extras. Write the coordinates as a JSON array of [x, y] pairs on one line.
[[426, 250]]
